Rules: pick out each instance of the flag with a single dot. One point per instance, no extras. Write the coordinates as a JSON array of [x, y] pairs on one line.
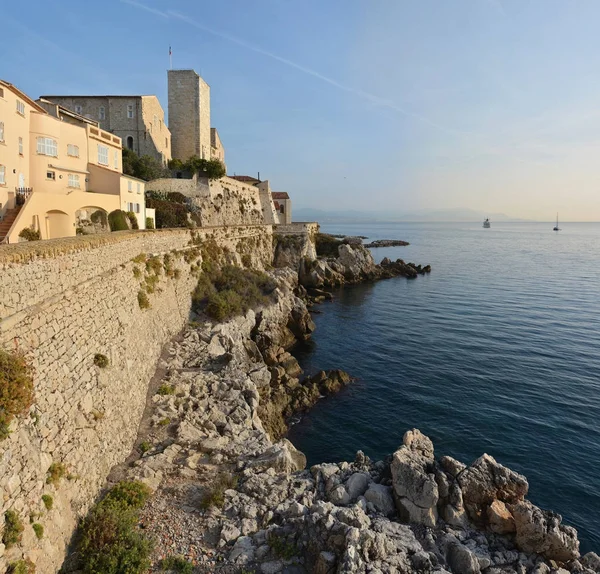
[[170, 51]]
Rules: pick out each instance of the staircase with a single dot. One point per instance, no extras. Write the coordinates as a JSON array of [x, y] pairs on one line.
[[7, 221]]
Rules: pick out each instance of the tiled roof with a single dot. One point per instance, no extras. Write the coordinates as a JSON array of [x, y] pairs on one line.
[[280, 195]]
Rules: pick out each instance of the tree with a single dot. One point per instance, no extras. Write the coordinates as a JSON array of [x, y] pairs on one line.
[[145, 167], [211, 168]]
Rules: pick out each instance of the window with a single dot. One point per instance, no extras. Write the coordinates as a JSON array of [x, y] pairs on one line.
[[2, 175], [1, 92], [116, 160], [20, 146], [139, 188], [73, 180], [101, 113], [134, 207], [129, 186], [160, 124], [2, 132], [155, 119], [78, 109], [102, 155], [51, 175], [130, 111], [73, 150], [20, 107], [167, 142], [47, 146], [129, 142]]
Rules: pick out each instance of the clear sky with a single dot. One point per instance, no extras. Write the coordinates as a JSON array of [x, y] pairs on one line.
[[491, 105]]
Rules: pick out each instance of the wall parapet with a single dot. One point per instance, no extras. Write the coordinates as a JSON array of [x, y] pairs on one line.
[[297, 228]]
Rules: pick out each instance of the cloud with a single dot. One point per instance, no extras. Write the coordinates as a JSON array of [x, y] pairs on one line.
[[371, 98]]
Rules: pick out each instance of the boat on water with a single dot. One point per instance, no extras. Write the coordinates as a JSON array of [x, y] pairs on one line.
[[556, 228], [486, 223]]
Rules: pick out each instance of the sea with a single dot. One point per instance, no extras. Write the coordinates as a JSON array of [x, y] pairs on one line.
[[496, 351]]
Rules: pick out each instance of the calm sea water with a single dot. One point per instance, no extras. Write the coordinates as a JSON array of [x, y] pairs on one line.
[[497, 351]]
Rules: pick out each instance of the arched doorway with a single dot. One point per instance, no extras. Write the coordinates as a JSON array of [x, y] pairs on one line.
[[59, 224], [130, 142]]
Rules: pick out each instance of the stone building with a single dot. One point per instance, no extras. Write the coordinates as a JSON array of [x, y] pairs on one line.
[[283, 205], [138, 120], [189, 115], [217, 151], [57, 168]]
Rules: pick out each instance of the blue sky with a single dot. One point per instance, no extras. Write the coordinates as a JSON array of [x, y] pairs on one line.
[[356, 104]]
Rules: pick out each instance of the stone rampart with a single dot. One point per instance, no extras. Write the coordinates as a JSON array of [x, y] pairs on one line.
[[63, 302]]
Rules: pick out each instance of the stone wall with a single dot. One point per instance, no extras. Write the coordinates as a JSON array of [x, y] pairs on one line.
[[189, 187], [63, 302]]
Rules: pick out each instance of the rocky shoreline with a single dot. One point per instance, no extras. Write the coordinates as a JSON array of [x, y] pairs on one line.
[[232, 495], [386, 243]]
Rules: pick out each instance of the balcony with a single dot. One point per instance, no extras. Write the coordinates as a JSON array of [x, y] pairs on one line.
[[22, 194]]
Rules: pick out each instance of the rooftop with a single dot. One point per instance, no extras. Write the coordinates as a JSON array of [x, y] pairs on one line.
[[279, 195]]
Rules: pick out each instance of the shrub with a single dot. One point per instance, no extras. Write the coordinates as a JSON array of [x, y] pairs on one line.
[[29, 234], [154, 265], [101, 360], [132, 220], [177, 564], [111, 542], [229, 291], [137, 272], [282, 548], [131, 494], [99, 216], [168, 213], [164, 422], [246, 260], [149, 223], [145, 167], [166, 390], [326, 245], [24, 566], [215, 494], [145, 446], [55, 472], [211, 168], [16, 389], [48, 501], [143, 300], [38, 529], [13, 529], [117, 220]]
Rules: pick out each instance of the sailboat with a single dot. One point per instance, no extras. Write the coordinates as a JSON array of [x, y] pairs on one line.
[[556, 228], [486, 223]]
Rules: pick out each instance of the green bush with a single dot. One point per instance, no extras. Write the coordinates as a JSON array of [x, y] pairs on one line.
[[228, 291], [177, 564], [143, 300], [326, 245], [29, 234], [16, 389], [99, 216], [145, 167], [166, 390], [211, 168], [149, 223], [100, 360], [55, 472], [38, 529], [132, 494], [111, 542], [169, 214], [133, 222], [145, 446], [13, 529], [24, 566], [48, 501], [117, 220]]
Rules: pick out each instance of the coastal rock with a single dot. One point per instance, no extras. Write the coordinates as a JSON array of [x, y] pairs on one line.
[[380, 496], [386, 243], [462, 560], [357, 484], [485, 481], [414, 485], [541, 531], [281, 457], [500, 519]]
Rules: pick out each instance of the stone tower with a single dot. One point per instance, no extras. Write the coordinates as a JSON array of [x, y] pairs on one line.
[[189, 115]]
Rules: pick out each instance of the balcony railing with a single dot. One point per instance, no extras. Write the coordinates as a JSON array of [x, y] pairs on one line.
[[22, 194]]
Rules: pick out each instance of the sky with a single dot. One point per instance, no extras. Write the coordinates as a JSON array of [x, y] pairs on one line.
[[382, 105]]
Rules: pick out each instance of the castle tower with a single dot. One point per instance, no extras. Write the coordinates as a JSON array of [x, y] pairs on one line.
[[189, 115]]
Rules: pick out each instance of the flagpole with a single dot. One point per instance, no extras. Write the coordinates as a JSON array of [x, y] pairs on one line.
[[170, 58]]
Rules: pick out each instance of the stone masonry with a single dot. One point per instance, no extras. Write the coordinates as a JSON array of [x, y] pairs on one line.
[[63, 302], [189, 114]]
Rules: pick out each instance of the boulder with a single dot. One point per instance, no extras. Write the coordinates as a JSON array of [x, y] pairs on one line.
[[380, 496], [541, 531], [591, 560], [485, 481], [357, 484], [462, 560], [500, 519], [413, 481], [282, 457]]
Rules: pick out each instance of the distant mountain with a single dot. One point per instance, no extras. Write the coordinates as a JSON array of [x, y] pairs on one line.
[[433, 215]]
